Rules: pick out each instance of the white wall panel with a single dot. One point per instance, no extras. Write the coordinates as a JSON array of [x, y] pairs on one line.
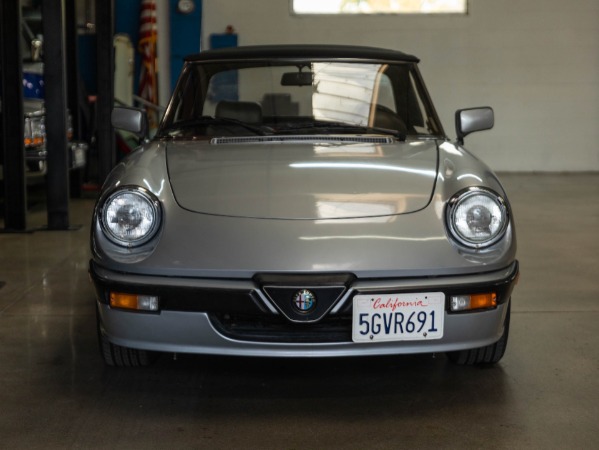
[[536, 62]]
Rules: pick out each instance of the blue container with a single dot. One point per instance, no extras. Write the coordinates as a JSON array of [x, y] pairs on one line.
[[33, 80]]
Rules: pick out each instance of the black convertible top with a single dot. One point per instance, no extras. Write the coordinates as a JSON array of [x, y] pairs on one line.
[[302, 51]]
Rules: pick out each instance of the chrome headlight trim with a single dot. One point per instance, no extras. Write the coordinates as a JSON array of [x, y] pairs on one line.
[[130, 216], [464, 213]]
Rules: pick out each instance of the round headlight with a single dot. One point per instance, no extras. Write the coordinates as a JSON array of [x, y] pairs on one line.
[[477, 218], [130, 217]]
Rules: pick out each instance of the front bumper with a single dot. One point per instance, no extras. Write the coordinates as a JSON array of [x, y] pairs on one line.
[[235, 317]]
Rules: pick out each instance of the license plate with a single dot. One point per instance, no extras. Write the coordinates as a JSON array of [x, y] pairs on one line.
[[398, 317]]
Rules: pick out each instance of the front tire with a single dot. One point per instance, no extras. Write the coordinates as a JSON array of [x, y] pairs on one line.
[[491, 354], [119, 356]]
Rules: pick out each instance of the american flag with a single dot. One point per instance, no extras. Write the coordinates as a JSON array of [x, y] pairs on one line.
[[148, 88]]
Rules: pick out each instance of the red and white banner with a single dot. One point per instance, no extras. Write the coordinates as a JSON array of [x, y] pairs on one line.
[[148, 86]]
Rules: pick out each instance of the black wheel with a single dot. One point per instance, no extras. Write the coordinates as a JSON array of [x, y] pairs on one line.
[[118, 356], [488, 355]]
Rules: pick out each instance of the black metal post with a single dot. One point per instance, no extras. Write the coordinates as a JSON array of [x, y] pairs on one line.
[[72, 67], [11, 107], [105, 99], [73, 88], [53, 23]]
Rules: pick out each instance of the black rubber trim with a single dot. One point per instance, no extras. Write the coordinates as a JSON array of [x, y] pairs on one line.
[[276, 279], [503, 289], [247, 301], [190, 299]]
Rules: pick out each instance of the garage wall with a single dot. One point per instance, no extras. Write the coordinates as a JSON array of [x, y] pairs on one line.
[[536, 62]]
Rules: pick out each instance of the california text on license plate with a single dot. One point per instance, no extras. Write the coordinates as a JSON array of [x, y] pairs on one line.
[[398, 317]]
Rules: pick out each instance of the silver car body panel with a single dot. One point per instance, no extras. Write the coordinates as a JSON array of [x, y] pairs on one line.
[[318, 181], [191, 332], [196, 244]]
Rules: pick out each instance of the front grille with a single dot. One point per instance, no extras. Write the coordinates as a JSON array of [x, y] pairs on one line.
[[277, 329]]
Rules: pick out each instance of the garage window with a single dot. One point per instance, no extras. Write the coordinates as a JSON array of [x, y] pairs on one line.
[[379, 6]]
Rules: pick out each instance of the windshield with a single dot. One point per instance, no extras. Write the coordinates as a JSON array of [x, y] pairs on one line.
[[241, 99]]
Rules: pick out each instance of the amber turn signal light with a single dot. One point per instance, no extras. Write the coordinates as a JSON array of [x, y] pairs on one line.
[[475, 301], [133, 301]]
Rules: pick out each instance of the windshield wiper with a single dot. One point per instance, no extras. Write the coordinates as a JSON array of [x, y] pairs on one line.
[[346, 126], [395, 133], [208, 120]]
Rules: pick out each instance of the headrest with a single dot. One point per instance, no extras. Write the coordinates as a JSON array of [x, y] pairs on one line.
[[248, 112]]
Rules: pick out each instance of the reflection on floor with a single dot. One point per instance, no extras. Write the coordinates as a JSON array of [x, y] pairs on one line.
[[56, 392]]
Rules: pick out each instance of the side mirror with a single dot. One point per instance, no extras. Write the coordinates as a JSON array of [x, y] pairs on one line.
[[473, 119], [130, 119]]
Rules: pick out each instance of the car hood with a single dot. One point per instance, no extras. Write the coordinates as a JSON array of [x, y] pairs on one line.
[[287, 179]]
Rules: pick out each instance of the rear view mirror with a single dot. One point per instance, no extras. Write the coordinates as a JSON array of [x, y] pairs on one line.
[[296, 79], [473, 119]]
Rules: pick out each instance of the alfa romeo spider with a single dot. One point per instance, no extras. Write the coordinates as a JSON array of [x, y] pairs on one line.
[[302, 201]]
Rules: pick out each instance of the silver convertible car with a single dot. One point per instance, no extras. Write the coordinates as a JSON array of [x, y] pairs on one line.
[[302, 201]]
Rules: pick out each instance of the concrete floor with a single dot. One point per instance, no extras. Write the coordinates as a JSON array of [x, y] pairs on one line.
[[56, 392]]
